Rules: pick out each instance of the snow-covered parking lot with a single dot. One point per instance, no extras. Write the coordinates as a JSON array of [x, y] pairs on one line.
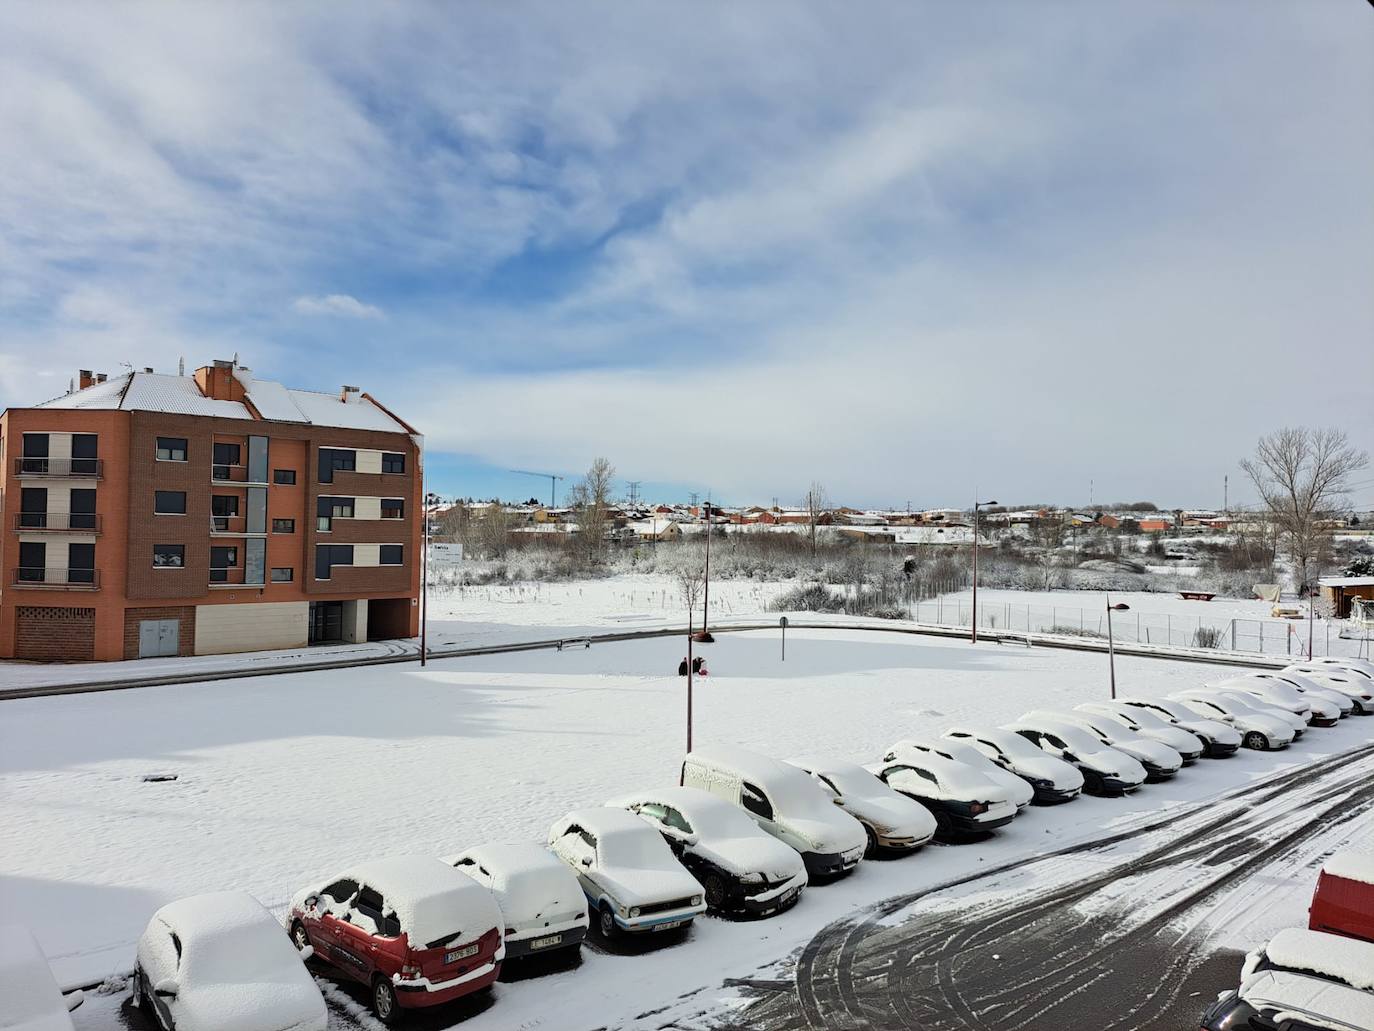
[[282, 780]]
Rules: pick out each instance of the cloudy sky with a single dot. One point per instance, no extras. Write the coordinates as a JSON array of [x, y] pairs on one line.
[[904, 249]]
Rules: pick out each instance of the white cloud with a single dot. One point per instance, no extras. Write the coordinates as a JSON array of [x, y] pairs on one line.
[[336, 304]]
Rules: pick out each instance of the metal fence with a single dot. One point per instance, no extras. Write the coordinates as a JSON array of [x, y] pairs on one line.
[[1263, 636]]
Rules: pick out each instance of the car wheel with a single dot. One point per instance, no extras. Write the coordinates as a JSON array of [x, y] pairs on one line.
[[1256, 740], [714, 889], [384, 1004], [872, 849], [608, 927], [299, 936], [1092, 783]]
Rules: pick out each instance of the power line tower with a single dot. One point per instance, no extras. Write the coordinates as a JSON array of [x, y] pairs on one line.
[[633, 485], [693, 497]]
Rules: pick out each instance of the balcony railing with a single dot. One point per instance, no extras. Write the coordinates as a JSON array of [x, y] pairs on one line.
[[75, 522], [83, 468], [232, 576], [60, 579], [233, 474]]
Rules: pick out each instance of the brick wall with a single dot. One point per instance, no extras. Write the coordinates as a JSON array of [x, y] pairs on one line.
[[53, 632], [186, 632]]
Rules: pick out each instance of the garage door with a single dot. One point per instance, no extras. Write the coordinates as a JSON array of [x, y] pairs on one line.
[[158, 637]]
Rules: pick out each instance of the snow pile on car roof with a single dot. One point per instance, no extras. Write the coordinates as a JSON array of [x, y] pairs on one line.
[[1353, 866], [432, 900], [1325, 955], [529, 881]]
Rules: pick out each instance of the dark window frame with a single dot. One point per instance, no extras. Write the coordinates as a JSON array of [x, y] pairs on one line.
[[179, 550], [284, 477], [290, 576], [159, 495], [386, 549], [393, 462], [290, 526], [171, 449]]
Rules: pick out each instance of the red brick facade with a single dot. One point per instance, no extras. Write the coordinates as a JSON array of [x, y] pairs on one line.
[[54, 633], [186, 632]]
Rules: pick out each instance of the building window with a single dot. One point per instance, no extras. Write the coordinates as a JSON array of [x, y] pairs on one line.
[[221, 561], [283, 574], [327, 509], [329, 555], [283, 526], [334, 459], [286, 477], [171, 449], [393, 463], [84, 453], [224, 512], [169, 502], [390, 555], [169, 556], [393, 508], [228, 454]]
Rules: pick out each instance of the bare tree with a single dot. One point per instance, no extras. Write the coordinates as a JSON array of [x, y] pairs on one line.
[[815, 504], [691, 582], [589, 497], [1049, 535], [1302, 475], [494, 531]]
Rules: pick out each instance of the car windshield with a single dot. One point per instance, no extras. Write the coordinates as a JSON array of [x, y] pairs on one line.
[[234, 955], [1014, 745], [1076, 738], [714, 819], [631, 848], [794, 792], [1145, 718], [856, 781]]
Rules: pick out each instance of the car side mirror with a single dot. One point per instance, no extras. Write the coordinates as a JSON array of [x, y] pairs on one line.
[[838, 800], [587, 862], [166, 988], [74, 999], [307, 953], [311, 901]]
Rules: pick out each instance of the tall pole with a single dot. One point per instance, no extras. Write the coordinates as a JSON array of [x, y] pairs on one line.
[[706, 600], [689, 679], [1311, 618], [1111, 647], [424, 568], [973, 639]]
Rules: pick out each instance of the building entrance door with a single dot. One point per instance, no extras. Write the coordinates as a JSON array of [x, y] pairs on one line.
[[158, 637], [326, 622]]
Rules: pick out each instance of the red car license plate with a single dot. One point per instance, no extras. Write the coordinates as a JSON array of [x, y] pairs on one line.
[[463, 953]]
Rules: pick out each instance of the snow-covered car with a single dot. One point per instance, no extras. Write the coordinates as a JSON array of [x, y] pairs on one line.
[[1301, 979], [741, 867], [412, 928], [1282, 695], [894, 822], [962, 800], [1106, 770], [1261, 731], [220, 962], [1219, 738], [1360, 667], [1296, 723], [541, 900], [1019, 791], [1311, 690], [32, 1000], [628, 873], [1187, 744], [1052, 780], [1352, 683], [1160, 761], [785, 802]]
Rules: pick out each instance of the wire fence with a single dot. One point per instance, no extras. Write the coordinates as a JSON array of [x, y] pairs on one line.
[[1262, 636]]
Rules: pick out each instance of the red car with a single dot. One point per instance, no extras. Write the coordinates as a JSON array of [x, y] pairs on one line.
[[1343, 902], [414, 930]]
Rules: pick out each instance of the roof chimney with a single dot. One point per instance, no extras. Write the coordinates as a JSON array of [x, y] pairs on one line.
[[100, 377], [218, 382], [84, 378], [345, 397]]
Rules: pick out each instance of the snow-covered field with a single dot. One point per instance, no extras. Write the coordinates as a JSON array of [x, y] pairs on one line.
[[282, 779]]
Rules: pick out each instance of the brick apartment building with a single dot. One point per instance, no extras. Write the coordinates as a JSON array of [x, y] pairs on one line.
[[150, 514]]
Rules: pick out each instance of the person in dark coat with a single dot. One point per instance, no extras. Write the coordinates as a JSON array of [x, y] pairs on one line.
[[697, 663], [682, 667]]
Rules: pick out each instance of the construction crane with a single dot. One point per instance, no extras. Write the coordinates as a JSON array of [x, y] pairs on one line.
[[553, 479]]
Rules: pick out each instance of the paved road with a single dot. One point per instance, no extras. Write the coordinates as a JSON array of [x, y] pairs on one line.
[[1112, 935]]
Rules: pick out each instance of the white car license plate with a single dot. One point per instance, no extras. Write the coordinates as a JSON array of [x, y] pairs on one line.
[[544, 943], [668, 926], [463, 953]]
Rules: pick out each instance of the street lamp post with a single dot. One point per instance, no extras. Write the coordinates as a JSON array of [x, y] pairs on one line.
[[973, 638], [1120, 606]]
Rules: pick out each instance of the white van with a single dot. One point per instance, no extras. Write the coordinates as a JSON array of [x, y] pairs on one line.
[[785, 802]]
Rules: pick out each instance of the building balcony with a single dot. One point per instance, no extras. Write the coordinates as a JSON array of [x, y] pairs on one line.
[[65, 468], [56, 579], [233, 576], [57, 522], [235, 474], [232, 526]]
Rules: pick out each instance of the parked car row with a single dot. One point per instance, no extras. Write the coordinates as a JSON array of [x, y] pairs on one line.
[[1318, 977], [741, 833]]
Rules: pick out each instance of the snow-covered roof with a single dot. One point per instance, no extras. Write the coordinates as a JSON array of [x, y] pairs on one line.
[[1353, 866], [1346, 581], [431, 898], [180, 395], [1326, 955]]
